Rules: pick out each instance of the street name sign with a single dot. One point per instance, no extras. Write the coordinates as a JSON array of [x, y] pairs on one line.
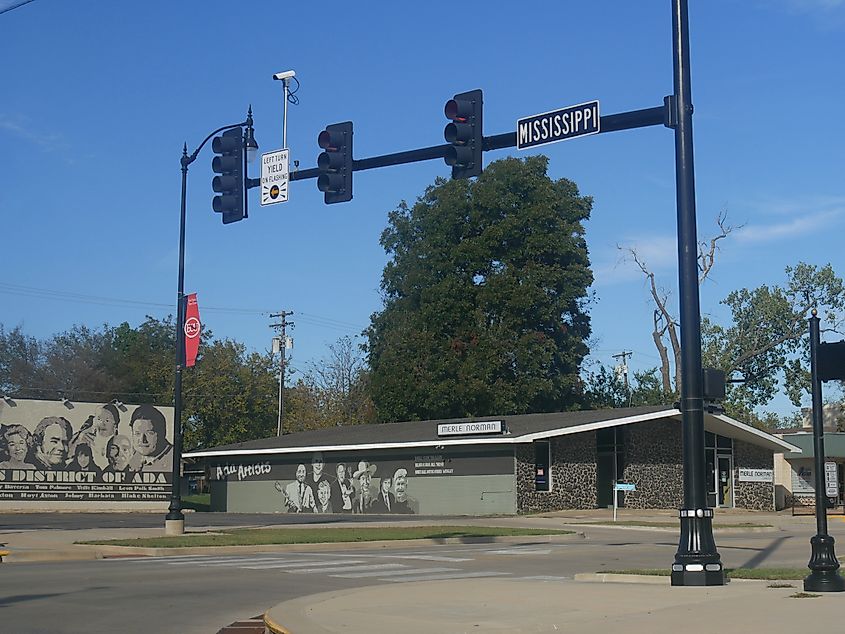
[[274, 177], [558, 125]]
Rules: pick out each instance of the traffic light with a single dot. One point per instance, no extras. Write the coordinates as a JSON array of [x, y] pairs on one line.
[[335, 163], [464, 133], [830, 358], [230, 182]]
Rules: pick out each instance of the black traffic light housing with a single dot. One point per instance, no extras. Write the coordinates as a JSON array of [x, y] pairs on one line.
[[335, 163], [230, 165], [830, 359], [464, 133]]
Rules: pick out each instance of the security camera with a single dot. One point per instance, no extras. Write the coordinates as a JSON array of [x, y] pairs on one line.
[[287, 74]]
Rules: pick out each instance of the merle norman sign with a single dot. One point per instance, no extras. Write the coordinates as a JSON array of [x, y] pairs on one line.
[[558, 125], [470, 429]]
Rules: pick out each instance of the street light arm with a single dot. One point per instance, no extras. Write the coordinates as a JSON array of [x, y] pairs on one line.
[[187, 160]]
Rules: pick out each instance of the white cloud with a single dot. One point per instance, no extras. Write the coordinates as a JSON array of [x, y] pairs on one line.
[[801, 225], [772, 220], [18, 126]]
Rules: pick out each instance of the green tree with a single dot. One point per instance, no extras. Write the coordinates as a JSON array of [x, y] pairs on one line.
[[766, 342], [604, 388], [484, 298], [334, 391], [230, 396]]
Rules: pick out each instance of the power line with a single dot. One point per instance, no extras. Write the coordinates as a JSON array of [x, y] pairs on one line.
[[67, 296]]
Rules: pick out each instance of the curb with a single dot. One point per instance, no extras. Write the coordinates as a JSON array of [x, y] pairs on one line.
[[731, 530], [657, 580], [79, 553], [273, 627], [601, 577], [82, 552]]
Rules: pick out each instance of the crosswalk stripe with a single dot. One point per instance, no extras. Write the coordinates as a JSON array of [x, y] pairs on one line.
[[521, 551], [349, 569], [147, 558], [237, 562], [217, 561], [438, 577], [301, 564], [429, 557], [545, 578], [395, 573]]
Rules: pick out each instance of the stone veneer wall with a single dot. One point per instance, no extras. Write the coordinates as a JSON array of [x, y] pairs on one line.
[[654, 463], [573, 471], [757, 496]]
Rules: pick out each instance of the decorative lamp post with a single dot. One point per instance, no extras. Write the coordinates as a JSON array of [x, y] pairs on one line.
[[174, 523], [823, 563]]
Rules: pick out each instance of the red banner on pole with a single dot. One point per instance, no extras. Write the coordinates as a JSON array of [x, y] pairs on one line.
[[193, 327]]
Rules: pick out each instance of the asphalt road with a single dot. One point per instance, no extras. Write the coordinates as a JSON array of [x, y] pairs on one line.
[[200, 594]]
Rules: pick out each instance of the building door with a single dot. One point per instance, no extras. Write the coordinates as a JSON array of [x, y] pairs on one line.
[[604, 480], [610, 464], [724, 478]]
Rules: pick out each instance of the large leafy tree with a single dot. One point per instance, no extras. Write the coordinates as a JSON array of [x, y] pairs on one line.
[[484, 297], [766, 342]]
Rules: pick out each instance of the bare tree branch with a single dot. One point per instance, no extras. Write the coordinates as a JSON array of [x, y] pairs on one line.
[[707, 250]]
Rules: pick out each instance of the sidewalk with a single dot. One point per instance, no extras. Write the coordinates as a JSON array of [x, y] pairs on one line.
[[501, 605], [57, 545]]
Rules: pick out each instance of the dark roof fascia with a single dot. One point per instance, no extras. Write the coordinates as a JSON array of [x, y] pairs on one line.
[[522, 429]]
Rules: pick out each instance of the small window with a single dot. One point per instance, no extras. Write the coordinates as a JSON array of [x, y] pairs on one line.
[[542, 463], [723, 442], [709, 439]]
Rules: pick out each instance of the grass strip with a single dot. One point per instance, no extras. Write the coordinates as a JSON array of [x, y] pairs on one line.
[[200, 502], [268, 536], [772, 574]]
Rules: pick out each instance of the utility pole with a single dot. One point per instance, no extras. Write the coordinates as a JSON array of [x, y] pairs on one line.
[[282, 340], [624, 366]]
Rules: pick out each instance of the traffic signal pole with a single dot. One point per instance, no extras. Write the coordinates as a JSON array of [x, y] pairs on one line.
[[659, 115], [697, 563]]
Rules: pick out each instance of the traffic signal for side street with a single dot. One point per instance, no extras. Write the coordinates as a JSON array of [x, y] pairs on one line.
[[229, 165], [335, 162], [464, 133], [831, 361]]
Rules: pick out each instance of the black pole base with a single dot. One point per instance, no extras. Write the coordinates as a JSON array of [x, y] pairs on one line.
[[824, 566], [700, 578], [697, 563]]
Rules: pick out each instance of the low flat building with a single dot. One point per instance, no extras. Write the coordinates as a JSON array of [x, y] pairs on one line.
[[493, 465]]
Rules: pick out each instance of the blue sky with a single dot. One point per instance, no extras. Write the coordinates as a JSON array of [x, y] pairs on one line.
[[98, 98]]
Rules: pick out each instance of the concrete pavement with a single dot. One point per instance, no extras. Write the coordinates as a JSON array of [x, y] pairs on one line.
[[501, 605]]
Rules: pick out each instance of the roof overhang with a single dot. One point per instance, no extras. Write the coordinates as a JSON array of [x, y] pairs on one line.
[[727, 426], [719, 424]]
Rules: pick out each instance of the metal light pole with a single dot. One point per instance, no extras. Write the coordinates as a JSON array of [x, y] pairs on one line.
[[697, 563], [174, 523], [823, 563]]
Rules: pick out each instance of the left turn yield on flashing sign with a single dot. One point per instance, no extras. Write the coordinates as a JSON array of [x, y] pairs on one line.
[[274, 177]]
